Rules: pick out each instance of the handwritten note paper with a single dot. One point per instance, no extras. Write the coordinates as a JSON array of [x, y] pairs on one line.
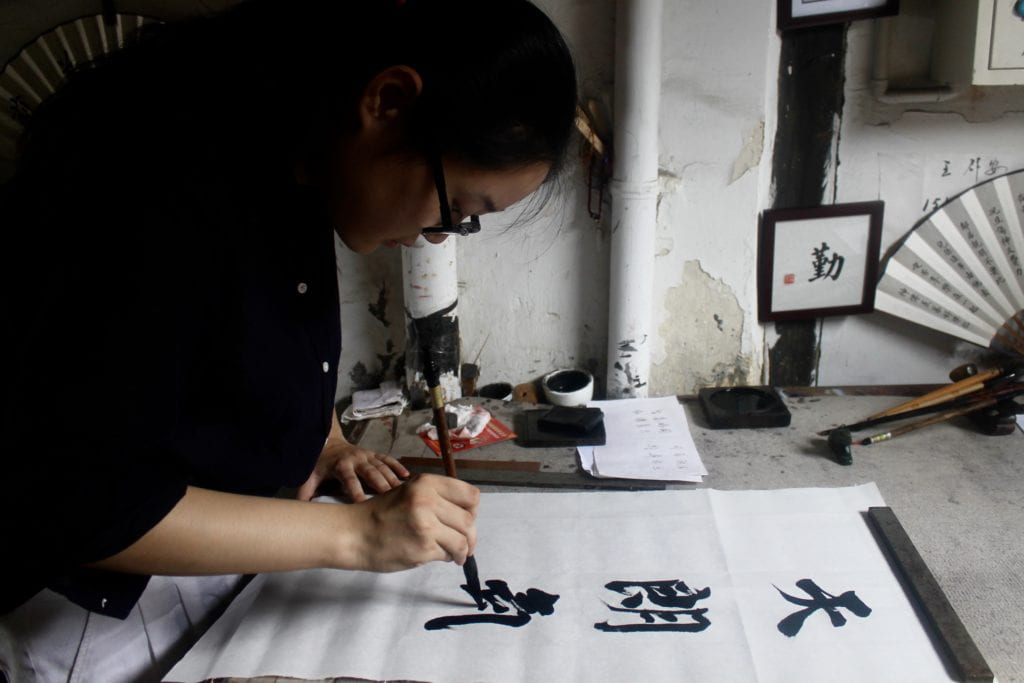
[[647, 438]]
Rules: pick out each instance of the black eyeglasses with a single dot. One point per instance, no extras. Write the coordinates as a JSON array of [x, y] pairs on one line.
[[467, 227]]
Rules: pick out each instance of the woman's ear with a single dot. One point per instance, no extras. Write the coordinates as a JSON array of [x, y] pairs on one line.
[[388, 97]]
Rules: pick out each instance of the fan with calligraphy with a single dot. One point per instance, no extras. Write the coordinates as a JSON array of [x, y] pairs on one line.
[[959, 270]]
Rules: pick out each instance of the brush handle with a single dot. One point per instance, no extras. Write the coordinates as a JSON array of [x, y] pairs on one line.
[[433, 378], [941, 417], [955, 390], [1008, 391], [441, 422]]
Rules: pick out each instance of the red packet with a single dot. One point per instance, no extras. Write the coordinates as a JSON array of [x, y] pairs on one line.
[[494, 432]]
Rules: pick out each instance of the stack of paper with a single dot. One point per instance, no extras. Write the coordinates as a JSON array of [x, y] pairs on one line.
[[646, 438]]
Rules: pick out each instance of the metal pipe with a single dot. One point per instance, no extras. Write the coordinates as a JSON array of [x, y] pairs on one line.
[[430, 287], [634, 193]]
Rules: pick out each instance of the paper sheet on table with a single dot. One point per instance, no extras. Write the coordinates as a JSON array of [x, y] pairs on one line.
[[645, 438], [743, 547]]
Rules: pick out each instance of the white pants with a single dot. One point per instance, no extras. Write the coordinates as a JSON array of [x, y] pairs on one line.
[[49, 638]]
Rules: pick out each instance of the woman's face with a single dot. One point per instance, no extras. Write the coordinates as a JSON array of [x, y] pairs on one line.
[[381, 191], [387, 200]]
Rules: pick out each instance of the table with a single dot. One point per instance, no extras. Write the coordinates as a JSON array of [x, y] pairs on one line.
[[959, 494]]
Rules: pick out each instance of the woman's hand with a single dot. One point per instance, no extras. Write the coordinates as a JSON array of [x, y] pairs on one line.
[[427, 519], [349, 464]]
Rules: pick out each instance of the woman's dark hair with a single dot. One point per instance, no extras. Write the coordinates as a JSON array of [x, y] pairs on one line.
[[268, 78], [499, 82]]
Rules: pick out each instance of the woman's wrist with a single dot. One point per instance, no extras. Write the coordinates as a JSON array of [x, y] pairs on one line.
[[347, 536]]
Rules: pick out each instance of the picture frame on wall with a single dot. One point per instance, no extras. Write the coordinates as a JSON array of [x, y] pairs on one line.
[[800, 13], [819, 261]]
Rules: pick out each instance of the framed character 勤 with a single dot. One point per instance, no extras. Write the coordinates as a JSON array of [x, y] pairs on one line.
[[819, 261], [798, 13]]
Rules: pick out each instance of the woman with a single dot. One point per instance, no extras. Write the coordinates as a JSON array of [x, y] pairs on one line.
[[172, 307]]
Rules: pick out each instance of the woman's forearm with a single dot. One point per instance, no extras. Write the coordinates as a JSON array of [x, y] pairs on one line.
[[210, 532], [426, 519]]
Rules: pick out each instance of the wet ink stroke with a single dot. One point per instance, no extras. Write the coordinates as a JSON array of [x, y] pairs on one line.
[[500, 598]]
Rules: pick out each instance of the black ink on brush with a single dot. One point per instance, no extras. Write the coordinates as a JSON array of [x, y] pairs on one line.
[[473, 581], [499, 596]]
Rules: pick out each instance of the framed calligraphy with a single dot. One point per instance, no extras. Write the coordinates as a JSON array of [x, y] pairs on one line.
[[800, 13], [820, 261]]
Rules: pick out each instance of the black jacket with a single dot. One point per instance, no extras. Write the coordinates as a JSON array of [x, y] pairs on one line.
[[170, 314]]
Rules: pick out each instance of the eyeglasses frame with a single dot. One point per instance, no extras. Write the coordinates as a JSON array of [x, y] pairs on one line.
[[468, 227]]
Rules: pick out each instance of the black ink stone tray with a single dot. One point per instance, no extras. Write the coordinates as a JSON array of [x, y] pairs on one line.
[[743, 407], [534, 431]]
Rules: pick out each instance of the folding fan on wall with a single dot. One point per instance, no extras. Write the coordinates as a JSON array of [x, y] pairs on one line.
[[39, 68], [959, 270]]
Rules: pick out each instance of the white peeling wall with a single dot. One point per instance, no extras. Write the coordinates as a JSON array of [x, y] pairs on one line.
[[372, 318], [533, 291], [717, 122], [540, 290], [533, 296], [900, 157]]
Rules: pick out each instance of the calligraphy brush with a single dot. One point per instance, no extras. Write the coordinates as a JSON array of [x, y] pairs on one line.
[[1008, 391], [433, 378], [941, 417], [963, 387]]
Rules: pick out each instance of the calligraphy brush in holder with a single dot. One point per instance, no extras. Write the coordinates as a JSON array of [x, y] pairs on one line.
[[960, 269], [988, 399]]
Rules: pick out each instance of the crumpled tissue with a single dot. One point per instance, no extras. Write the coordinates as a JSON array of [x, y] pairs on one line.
[[471, 420]]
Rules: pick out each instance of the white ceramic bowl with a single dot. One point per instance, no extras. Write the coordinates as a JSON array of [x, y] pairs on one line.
[[568, 387]]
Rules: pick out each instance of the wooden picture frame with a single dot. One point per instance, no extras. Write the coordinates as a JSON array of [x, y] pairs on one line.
[[799, 13], [819, 261]]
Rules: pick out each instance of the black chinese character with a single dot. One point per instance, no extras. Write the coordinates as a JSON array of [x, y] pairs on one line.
[[835, 264], [500, 598], [994, 167], [974, 166], [819, 599], [672, 600]]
